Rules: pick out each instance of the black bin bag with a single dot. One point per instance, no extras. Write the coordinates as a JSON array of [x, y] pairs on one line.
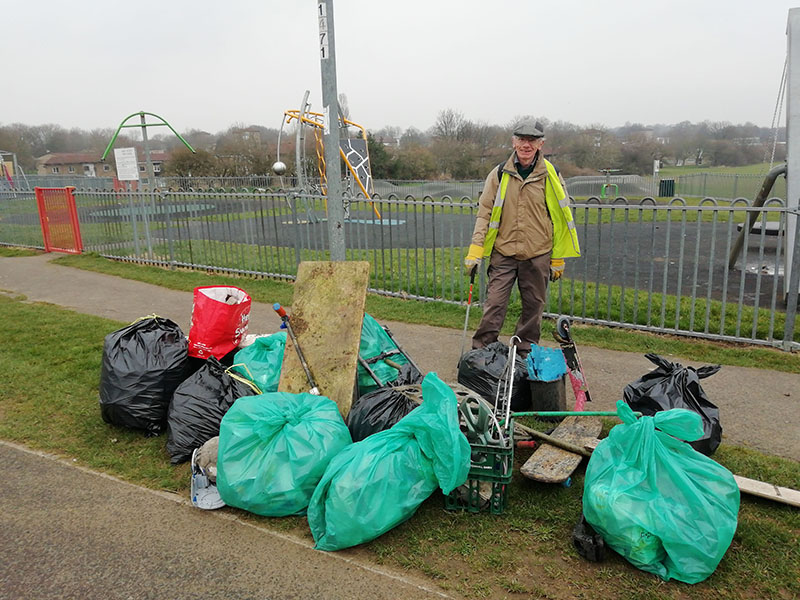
[[481, 369], [142, 365], [671, 385], [198, 405], [377, 411]]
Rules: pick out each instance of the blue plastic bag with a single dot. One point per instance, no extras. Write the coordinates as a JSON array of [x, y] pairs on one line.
[[378, 483], [262, 361], [665, 507], [545, 364], [274, 448]]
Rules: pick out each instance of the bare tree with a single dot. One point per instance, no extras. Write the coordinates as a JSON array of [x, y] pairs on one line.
[[344, 107], [448, 124]]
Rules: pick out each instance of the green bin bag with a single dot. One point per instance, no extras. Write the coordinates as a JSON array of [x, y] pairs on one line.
[[665, 507], [262, 361], [375, 341], [378, 483], [273, 450]]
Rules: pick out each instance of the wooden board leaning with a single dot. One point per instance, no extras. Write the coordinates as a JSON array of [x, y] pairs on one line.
[[327, 313]]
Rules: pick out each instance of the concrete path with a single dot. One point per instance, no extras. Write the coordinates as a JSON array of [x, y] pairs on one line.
[[758, 408], [69, 533]]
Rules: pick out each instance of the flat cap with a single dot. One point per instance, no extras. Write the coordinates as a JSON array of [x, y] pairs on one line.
[[529, 127]]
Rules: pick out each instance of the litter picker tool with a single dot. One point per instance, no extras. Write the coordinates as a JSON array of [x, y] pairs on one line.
[[285, 323], [469, 303]]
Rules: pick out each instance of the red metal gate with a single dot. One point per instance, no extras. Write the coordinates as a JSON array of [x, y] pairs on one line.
[[59, 219]]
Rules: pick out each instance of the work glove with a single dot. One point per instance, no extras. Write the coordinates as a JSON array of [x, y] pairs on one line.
[[556, 268], [473, 258]]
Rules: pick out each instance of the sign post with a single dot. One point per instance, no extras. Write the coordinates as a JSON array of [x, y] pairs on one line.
[[144, 125], [128, 170]]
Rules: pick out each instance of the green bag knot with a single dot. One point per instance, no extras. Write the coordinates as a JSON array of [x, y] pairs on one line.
[[625, 412], [293, 419], [267, 430]]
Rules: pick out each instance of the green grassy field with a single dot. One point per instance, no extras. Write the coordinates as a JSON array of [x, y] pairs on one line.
[[441, 275], [723, 182], [756, 169]]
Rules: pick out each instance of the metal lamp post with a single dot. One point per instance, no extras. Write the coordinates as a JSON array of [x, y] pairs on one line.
[[330, 101]]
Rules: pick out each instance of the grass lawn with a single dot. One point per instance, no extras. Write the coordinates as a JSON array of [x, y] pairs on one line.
[[50, 364], [756, 169]]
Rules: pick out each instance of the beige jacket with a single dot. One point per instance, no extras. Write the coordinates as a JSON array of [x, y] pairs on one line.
[[525, 229]]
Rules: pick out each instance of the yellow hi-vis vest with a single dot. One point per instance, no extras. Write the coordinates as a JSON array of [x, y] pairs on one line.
[[565, 237]]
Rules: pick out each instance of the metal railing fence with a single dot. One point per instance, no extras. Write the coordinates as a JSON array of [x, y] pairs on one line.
[[647, 266], [721, 186]]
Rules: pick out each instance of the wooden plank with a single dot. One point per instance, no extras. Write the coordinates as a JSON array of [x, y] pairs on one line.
[[326, 316], [767, 490], [549, 464]]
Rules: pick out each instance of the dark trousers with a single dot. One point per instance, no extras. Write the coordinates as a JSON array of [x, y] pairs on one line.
[[532, 277]]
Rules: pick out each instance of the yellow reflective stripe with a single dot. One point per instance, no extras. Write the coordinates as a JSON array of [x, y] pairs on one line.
[[494, 220], [564, 227], [488, 243]]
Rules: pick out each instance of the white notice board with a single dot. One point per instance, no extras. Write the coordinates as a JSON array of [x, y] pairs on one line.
[[127, 165]]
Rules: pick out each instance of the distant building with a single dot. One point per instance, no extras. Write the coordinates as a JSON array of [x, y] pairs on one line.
[[88, 164], [83, 164], [157, 157]]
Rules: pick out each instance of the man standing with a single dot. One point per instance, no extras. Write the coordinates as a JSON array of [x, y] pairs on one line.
[[525, 228]]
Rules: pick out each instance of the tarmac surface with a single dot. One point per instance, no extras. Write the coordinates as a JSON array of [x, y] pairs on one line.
[[69, 533], [145, 544]]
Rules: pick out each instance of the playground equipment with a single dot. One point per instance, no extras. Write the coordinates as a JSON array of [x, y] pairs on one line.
[[8, 173], [607, 185], [144, 125], [353, 151]]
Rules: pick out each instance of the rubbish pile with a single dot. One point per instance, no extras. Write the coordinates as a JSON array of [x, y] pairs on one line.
[[649, 492], [358, 466], [215, 393]]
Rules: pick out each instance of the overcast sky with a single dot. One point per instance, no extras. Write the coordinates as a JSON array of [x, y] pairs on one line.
[[203, 64]]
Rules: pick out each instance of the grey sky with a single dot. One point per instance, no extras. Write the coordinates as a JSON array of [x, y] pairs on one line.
[[208, 64]]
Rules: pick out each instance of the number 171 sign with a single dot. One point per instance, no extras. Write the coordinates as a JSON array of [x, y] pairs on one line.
[[322, 16]]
